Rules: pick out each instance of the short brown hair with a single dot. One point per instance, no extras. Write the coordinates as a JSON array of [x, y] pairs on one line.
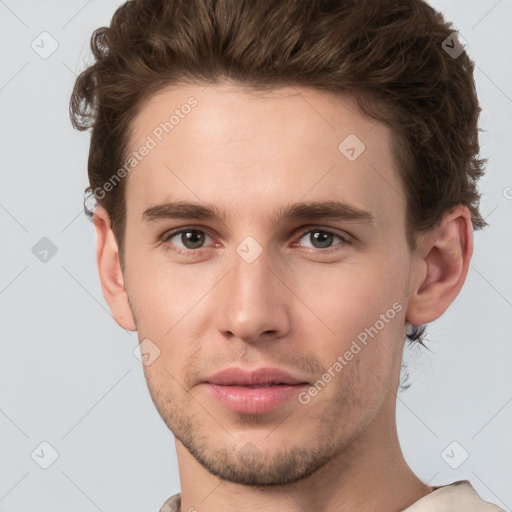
[[390, 55]]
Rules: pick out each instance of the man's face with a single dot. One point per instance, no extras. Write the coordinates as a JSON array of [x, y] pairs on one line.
[[209, 300]]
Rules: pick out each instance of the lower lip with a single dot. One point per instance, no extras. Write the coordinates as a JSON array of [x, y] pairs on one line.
[[254, 400]]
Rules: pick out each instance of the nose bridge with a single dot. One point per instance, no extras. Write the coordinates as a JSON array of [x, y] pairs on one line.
[[251, 276], [251, 302]]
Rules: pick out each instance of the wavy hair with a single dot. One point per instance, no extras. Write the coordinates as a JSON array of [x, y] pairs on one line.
[[390, 55]]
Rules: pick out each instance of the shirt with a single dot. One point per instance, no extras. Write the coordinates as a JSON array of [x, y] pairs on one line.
[[456, 497]]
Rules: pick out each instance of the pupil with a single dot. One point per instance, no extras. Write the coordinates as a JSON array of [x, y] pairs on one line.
[[322, 238], [192, 239]]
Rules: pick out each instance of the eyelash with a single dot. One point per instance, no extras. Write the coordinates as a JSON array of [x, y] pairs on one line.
[[198, 252]]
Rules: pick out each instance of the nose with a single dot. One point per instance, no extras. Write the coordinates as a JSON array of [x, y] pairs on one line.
[[252, 303]]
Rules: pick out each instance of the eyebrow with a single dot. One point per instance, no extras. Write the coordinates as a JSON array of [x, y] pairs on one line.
[[317, 210]]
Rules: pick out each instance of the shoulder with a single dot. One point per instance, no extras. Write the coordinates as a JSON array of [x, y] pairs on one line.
[[458, 496], [172, 504]]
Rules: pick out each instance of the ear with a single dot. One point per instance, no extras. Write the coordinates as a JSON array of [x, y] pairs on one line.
[[109, 267], [442, 258]]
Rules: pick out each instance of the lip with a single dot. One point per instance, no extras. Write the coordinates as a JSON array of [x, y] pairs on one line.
[[236, 376], [253, 391]]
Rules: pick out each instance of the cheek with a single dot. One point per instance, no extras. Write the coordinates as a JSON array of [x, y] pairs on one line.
[[161, 294], [350, 297], [358, 313], [172, 307]]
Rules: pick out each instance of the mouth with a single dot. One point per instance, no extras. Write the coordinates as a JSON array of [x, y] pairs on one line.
[[253, 392]]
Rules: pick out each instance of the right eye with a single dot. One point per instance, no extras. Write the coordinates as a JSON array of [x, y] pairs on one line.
[[187, 239]]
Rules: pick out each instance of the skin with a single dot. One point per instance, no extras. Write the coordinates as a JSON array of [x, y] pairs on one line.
[[296, 307]]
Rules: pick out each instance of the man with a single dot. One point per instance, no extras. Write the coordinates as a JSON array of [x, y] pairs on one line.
[[285, 191]]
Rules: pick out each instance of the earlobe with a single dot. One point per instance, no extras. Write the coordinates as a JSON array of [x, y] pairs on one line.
[[109, 268], [443, 258]]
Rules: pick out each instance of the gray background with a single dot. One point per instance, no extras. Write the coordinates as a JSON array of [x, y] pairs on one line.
[[68, 373]]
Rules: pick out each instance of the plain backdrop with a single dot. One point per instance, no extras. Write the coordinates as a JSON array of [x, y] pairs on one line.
[[69, 378]]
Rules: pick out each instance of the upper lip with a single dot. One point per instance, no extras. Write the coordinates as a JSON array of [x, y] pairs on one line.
[[239, 377]]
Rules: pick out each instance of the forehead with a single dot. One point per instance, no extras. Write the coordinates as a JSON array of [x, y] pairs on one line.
[[243, 150]]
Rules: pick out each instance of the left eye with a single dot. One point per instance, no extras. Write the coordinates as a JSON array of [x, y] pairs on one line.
[[321, 238]]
